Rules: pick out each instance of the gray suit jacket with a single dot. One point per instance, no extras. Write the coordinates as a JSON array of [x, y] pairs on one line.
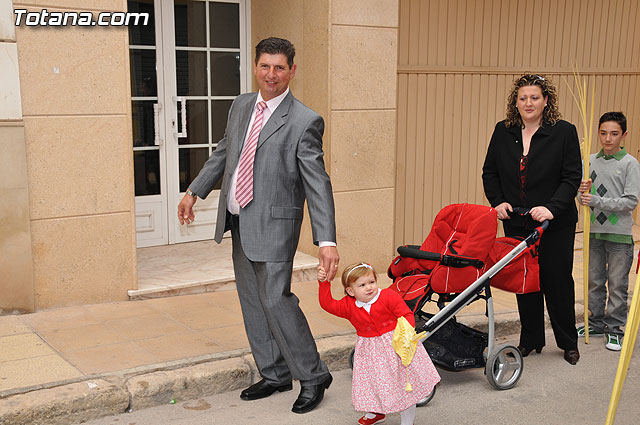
[[288, 168]]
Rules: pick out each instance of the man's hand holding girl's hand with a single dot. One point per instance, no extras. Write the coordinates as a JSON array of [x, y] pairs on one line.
[[322, 274]]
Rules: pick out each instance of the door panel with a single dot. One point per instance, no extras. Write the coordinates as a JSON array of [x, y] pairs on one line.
[[209, 62], [149, 158], [150, 221]]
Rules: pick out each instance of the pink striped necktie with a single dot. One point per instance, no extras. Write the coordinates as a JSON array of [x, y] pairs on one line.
[[244, 185]]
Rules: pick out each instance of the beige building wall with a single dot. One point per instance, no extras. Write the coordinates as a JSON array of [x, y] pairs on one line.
[[347, 56], [362, 87], [77, 226], [456, 63], [16, 272], [77, 125]]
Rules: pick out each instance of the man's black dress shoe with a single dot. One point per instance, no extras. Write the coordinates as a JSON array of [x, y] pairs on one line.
[[526, 351], [262, 389], [311, 395], [572, 356]]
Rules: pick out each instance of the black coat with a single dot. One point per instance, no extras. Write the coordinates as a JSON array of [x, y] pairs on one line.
[[554, 171]]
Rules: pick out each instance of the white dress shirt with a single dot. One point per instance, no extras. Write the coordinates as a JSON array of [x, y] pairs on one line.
[[232, 203]]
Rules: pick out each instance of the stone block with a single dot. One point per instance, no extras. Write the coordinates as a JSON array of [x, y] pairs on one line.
[[154, 389], [71, 403]]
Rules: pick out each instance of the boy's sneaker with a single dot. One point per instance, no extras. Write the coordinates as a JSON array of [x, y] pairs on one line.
[[592, 332], [614, 342]]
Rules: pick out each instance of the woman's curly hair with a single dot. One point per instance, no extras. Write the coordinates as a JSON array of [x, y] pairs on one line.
[[550, 115]]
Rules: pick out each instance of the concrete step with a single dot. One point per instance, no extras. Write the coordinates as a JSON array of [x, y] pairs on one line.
[[196, 268]]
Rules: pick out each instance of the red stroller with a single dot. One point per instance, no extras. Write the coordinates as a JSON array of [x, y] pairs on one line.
[[458, 262]]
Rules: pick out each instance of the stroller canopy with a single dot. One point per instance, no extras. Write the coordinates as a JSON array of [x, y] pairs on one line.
[[463, 231]]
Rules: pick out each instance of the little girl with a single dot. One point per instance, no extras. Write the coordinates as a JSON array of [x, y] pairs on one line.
[[379, 378]]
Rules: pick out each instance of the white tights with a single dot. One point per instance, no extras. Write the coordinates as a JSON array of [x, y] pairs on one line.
[[408, 416]]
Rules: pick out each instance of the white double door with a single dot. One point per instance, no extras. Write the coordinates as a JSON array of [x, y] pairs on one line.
[[187, 65]]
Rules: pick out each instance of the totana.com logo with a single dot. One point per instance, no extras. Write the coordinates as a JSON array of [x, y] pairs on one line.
[[60, 19]]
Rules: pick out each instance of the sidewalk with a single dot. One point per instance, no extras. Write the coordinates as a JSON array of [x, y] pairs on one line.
[[84, 362]]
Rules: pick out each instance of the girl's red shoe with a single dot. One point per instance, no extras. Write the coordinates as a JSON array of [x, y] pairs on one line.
[[379, 418]]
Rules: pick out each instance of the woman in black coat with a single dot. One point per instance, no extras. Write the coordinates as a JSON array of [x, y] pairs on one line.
[[533, 161]]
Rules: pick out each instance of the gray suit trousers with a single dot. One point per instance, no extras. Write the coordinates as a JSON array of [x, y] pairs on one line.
[[278, 332]]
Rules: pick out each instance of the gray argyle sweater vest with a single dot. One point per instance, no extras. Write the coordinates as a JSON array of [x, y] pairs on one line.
[[615, 191]]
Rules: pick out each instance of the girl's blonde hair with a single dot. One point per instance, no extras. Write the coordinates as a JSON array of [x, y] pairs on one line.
[[550, 114], [351, 273]]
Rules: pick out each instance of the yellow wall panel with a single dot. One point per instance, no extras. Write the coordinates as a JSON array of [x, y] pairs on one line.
[[456, 63]]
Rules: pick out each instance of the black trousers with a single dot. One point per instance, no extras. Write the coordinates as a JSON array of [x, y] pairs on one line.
[[557, 289]]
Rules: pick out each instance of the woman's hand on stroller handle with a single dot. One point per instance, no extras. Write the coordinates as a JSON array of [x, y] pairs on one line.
[[504, 211], [544, 223], [540, 214]]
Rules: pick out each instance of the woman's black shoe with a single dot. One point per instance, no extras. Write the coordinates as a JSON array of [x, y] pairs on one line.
[[525, 351], [572, 356]]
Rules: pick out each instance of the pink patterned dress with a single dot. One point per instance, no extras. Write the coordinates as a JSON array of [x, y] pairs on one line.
[[380, 378]]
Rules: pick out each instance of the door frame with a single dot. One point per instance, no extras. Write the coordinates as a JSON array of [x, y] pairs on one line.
[[153, 208]]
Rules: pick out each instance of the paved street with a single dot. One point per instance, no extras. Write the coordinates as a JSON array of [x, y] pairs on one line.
[[549, 392]]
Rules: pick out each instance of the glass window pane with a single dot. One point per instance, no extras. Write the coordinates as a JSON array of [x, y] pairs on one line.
[[225, 74], [144, 35], [146, 167], [197, 122], [191, 73], [219, 114], [142, 119], [191, 161], [190, 23], [143, 72], [224, 25]]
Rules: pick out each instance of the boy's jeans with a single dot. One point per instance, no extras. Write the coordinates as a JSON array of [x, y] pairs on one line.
[[618, 257]]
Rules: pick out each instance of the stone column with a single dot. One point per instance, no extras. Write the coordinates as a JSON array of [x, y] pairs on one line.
[[76, 106], [16, 266], [363, 100]]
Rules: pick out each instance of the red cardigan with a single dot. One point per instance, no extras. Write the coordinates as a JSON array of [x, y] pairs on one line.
[[381, 319]]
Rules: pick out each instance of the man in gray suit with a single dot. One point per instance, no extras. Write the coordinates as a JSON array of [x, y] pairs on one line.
[[270, 160]]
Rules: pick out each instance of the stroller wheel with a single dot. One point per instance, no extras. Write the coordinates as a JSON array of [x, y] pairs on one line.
[[353, 352], [427, 399], [504, 367]]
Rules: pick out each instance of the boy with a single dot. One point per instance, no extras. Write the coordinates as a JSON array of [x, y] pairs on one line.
[[612, 193]]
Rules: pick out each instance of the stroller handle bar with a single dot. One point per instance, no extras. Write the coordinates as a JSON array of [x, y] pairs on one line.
[[414, 251], [535, 235]]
